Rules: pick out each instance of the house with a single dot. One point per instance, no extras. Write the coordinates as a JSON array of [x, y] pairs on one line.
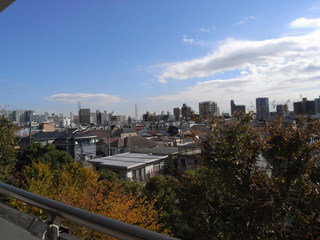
[[124, 132], [121, 145], [170, 152], [189, 157], [135, 166], [80, 145]]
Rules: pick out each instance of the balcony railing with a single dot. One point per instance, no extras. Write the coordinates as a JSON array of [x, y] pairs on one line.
[[57, 210]]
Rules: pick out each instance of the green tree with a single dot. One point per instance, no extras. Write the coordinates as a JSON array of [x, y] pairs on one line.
[[7, 151], [293, 155], [48, 154], [234, 197], [163, 190]]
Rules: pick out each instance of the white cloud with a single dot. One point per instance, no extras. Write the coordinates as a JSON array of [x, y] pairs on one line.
[[314, 8], [283, 67], [196, 41], [204, 30], [207, 29], [238, 54], [99, 99], [245, 19], [186, 40], [305, 23]]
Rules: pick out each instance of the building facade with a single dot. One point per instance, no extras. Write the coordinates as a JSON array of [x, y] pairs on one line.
[[84, 116], [262, 108], [237, 109], [208, 108], [304, 107]]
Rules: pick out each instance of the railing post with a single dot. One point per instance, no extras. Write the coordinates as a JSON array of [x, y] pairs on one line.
[[54, 225]]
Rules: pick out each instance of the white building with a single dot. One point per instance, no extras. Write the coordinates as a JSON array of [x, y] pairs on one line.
[[136, 166]]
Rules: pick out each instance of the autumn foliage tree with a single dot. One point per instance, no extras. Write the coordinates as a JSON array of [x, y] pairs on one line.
[[80, 186]]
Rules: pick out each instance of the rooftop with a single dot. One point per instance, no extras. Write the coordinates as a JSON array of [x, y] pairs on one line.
[[127, 160]]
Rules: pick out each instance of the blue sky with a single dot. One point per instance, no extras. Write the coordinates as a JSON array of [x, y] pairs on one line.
[[111, 55]]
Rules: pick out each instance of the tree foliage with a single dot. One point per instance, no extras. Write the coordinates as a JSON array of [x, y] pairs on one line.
[[7, 151], [235, 197], [80, 186], [36, 152]]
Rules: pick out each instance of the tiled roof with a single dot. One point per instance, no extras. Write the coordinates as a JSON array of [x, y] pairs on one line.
[[65, 134], [139, 128], [152, 133], [113, 139], [99, 133], [134, 142]]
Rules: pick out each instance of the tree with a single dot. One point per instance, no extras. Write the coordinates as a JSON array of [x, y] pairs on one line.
[[80, 186], [163, 190], [7, 151], [36, 178], [36, 152], [234, 197]]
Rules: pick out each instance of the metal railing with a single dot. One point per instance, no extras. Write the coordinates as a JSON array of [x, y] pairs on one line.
[[57, 210]]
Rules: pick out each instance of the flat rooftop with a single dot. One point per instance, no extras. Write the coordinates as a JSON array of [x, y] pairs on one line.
[[127, 160]]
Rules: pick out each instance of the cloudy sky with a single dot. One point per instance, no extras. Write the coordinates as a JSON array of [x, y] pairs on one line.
[[111, 55]]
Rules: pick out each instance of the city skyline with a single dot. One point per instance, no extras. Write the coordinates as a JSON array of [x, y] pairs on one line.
[[112, 55]]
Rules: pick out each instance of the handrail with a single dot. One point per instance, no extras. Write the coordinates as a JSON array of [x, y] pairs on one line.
[[105, 225]]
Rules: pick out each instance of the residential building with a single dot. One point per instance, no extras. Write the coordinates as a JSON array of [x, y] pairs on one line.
[[177, 112], [135, 166], [84, 116], [121, 145], [186, 111], [80, 145], [262, 108], [39, 117], [281, 109], [18, 116], [304, 107], [148, 117], [237, 110], [208, 108], [46, 127], [317, 105]]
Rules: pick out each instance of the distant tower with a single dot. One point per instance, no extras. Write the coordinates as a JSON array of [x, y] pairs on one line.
[[79, 106], [136, 111]]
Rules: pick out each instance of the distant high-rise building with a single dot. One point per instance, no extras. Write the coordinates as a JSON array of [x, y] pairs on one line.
[[93, 117], [20, 116], [177, 113], [237, 109], [281, 109], [262, 107], [186, 111], [304, 107], [208, 108], [84, 116], [317, 105]]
